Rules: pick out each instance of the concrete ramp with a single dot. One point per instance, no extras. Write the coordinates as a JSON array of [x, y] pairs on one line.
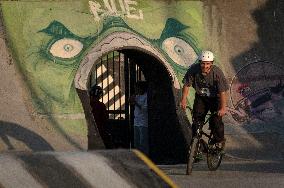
[[117, 168]]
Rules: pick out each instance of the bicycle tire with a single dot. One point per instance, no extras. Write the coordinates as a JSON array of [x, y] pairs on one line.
[[190, 160], [214, 158]]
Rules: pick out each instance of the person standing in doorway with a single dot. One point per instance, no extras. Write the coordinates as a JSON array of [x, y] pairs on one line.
[[210, 94], [141, 138], [100, 115]]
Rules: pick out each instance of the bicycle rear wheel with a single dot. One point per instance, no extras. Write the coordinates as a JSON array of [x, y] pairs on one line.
[[193, 149], [214, 157]]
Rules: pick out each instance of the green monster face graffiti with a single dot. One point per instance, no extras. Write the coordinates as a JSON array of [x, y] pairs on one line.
[[52, 43], [54, 75]]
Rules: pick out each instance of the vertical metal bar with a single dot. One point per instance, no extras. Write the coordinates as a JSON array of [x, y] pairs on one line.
[[127, 94], [102, 77], [132, 82], [107, 82], [113, 84], [126, 85], [139, 72], [119, 85]]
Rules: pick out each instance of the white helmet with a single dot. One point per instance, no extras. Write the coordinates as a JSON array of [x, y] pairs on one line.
[[206, 56]]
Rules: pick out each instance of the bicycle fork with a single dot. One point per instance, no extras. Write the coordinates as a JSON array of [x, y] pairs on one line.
[[202, 145]]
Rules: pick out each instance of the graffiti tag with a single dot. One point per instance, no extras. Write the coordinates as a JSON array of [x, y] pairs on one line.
[[115, 8], [256, 92]]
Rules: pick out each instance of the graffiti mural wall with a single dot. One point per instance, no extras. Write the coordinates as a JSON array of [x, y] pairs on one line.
[[55, 44]]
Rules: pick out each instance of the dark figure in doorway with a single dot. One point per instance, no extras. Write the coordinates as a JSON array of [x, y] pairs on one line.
[[100, 115], [210, 85], [141, 138]]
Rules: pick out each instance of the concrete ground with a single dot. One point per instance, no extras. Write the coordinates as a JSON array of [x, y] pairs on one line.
[[233, 173], [105, 169], [253, 159]]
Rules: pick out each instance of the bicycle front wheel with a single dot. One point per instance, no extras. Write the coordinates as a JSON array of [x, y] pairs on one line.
[[192, 152], [214, 157]]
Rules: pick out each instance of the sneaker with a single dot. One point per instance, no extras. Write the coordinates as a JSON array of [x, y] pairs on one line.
[[221, 144], [198, 157]]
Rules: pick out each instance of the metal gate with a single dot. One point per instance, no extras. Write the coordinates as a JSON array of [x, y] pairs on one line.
[[117, 74]]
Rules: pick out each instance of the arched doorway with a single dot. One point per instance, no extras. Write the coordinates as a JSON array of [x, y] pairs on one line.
[[117, 74], [168, 137]]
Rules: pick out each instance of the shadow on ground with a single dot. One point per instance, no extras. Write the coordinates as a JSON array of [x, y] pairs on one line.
[[41, 166], [32, 140]]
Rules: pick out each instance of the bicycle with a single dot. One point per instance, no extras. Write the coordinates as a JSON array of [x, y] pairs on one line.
[[198, 146]]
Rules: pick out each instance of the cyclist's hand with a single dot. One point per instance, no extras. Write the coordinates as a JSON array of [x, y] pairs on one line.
[[183, 104], [222, 112]]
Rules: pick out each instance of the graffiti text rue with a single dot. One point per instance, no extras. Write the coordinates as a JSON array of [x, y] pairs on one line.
[[115, 8]]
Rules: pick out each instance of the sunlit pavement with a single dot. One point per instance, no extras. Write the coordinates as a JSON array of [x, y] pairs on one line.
[[233, 172], [100, 169]]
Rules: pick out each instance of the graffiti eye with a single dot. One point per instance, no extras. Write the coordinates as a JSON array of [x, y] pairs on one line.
[[66, 48], [179, 51]]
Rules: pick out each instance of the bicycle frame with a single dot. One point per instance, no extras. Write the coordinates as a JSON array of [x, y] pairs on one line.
[[200, 133], [198, 145]]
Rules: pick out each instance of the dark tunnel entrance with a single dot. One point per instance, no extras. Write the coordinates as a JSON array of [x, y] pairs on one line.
[[117, 72]]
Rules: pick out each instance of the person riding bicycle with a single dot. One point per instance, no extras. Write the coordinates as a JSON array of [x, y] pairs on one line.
[[210, 95]]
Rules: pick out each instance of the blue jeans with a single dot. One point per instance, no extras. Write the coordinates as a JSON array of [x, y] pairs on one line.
[[141, 139]]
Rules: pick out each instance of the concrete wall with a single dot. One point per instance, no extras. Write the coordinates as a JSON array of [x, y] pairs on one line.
[[248, 36], [56, 44]]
